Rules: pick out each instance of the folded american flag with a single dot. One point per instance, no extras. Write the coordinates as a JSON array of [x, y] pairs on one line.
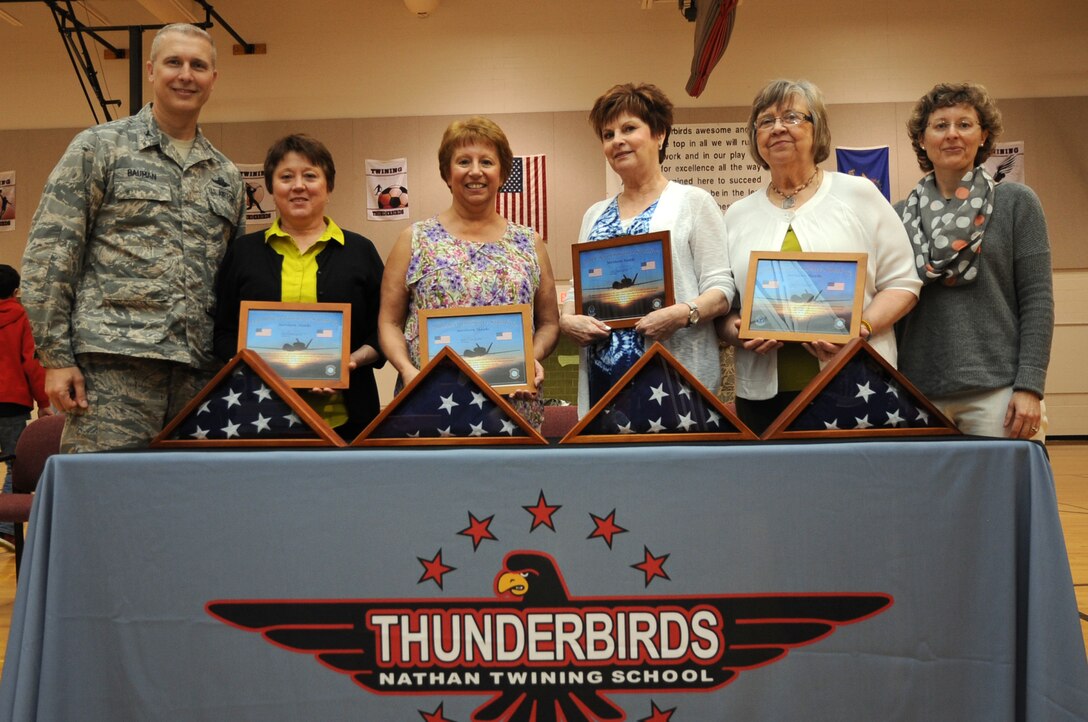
[[865, 395], [446, 402], [659, 400], [242, 406]]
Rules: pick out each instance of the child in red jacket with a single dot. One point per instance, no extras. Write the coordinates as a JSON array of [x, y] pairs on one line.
[[22, 379]]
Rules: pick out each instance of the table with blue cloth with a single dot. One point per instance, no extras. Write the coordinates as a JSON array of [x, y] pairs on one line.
[[864, 580]]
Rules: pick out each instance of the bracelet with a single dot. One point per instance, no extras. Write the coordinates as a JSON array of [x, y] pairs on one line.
[[867, 325]]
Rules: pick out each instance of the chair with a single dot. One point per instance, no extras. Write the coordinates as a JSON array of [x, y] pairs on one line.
[[39, 441], [558, 420]]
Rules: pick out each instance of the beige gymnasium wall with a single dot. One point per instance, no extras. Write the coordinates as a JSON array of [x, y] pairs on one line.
[[536, 67]]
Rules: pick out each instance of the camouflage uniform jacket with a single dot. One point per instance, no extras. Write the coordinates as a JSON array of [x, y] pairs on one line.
[[125, 245]]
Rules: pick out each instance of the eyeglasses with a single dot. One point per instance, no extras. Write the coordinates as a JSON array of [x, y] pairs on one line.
[[943, 126], [790, 117]]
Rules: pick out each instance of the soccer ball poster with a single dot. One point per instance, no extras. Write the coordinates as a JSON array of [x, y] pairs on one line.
[[387, 190]]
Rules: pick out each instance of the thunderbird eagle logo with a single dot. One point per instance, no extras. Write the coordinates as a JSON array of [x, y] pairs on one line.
[[541, 653]]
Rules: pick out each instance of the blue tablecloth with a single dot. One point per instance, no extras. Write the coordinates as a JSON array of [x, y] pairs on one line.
[[126, 551]]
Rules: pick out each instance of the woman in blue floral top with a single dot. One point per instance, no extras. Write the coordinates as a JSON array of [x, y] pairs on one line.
[[633, 123]]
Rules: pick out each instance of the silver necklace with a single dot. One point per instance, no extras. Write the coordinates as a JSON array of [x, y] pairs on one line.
[[787, 200]]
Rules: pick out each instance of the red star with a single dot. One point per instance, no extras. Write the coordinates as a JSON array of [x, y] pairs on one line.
[[478, 530], [656, 714], [542, 513], [435, 569], [437, 716], [652, 566], [606, 528]]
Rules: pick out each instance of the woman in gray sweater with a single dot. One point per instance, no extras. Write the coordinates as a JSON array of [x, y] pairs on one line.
[[978, 342]]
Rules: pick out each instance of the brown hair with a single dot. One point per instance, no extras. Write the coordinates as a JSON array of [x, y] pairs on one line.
[[476, 129], [309, 148], [779, 92], [947, 95], [644, 101]]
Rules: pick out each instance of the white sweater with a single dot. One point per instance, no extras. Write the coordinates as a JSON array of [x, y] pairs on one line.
[[847, 215], [697, 238]]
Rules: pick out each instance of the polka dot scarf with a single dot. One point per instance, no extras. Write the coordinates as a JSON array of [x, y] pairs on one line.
[[947, 235]]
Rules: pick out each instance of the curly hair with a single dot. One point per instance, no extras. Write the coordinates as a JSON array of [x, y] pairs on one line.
[[779, 92], [644, 101], [309, 148], [476, 129], [947, 95]]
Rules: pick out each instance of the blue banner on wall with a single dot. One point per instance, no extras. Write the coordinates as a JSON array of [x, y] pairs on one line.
[[871, 163]]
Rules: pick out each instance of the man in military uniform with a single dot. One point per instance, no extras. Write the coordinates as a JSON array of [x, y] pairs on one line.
[[120, 264]]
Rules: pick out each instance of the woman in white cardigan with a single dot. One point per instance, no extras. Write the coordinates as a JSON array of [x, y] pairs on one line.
[[633, 124], [807, 209]]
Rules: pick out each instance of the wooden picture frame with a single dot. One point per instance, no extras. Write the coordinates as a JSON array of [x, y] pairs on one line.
[[496, 341], [283, 335], [607, 283], [803, 296]]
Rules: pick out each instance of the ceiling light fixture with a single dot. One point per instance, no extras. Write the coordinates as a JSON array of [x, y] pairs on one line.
[[421, 8]]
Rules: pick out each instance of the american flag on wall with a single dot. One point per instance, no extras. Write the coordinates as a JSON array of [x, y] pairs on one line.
[[523, 198]]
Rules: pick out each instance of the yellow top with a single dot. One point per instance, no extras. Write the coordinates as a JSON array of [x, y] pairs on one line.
[[300, 269], [796, 366], [299, 285]]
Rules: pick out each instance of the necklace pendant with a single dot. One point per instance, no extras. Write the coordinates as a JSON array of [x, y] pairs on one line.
[[788, 202]]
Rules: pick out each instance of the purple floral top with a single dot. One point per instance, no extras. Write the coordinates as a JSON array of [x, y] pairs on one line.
[[445, 271]]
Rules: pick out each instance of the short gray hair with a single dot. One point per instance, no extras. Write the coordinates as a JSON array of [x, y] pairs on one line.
[[776, 93], [182, 29]]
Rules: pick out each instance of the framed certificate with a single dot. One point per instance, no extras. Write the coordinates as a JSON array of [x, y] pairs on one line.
[[496, 341], [307, 344], [620, 280], [803, 296]]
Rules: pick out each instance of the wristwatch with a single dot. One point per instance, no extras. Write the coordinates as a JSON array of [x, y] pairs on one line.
[[693, 314]]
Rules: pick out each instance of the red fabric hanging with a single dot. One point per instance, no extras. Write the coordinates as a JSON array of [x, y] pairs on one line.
[[713, 28]]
